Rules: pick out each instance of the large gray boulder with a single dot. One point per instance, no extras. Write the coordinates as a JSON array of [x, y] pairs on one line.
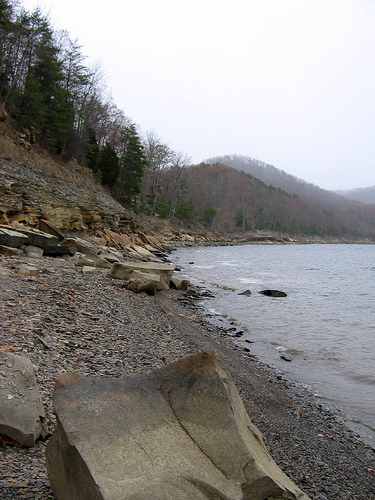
[[22, 416], [124, 271], [180, 433]]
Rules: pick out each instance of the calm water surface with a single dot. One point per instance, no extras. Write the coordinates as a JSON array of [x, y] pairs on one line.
[[326, 324]]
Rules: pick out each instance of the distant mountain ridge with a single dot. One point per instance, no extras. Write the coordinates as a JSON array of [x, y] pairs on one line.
[[273, 176], [364, 195]]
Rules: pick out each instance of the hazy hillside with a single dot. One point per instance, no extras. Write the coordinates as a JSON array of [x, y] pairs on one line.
[[228, 200], [364, 195], [280, 179]]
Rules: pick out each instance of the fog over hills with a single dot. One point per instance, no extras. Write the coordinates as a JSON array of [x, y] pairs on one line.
[[364, 195], [273, 176]]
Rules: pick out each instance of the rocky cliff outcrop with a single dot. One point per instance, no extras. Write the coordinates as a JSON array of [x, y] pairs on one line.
[[27, 195]]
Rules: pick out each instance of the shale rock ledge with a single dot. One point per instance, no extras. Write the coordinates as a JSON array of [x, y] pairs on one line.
[[181, 432]]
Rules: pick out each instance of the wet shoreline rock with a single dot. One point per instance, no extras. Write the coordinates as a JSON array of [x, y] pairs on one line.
[[273, 293]]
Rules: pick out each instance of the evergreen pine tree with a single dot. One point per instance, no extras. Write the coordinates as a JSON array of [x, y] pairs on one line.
[[133, 163], [108, 164], [44, 103], [92, 151]]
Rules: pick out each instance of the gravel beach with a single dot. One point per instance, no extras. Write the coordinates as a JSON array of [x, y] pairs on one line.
[[65, 320]]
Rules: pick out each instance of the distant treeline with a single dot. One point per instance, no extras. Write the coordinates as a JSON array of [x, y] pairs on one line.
[[48, 89]]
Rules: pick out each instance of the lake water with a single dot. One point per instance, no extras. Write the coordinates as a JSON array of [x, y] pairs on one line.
[[325, 325]]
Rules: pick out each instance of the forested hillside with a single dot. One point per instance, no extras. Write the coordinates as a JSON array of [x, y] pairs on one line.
[[58, 102], [229, 200], [364, 195], [280, 179]]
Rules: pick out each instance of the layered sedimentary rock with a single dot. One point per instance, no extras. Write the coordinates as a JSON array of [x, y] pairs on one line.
[[179, 433], [27, 195]]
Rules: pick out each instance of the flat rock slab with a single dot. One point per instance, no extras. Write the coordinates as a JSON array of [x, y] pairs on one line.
[[12, 238], [22, 415], [124, 271], [79, 244], [47, 227], [179, 433], [10, 251], [38, 238], [28, 270]]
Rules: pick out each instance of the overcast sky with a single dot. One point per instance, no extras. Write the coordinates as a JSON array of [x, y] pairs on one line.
[[288, 82]]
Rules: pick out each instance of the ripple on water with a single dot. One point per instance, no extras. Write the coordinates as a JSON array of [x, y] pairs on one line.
[[329, 315]]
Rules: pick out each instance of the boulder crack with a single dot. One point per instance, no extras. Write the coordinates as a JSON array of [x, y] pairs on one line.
[[190, 436]]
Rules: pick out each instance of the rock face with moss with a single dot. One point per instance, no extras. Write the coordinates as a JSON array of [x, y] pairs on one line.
[[181, 432]]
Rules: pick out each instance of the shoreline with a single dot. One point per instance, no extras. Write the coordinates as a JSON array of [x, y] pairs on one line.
[[229, 330], [95, 327], [225, 312]]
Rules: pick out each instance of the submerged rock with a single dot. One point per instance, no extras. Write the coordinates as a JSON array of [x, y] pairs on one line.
[[273, 293]]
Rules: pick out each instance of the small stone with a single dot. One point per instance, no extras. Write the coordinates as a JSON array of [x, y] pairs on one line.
[[28, 270], [33, 251], [89, 270]]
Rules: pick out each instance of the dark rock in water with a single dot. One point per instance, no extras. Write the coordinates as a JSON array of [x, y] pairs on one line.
[[273, 293], [246, 292], [285, 357]]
